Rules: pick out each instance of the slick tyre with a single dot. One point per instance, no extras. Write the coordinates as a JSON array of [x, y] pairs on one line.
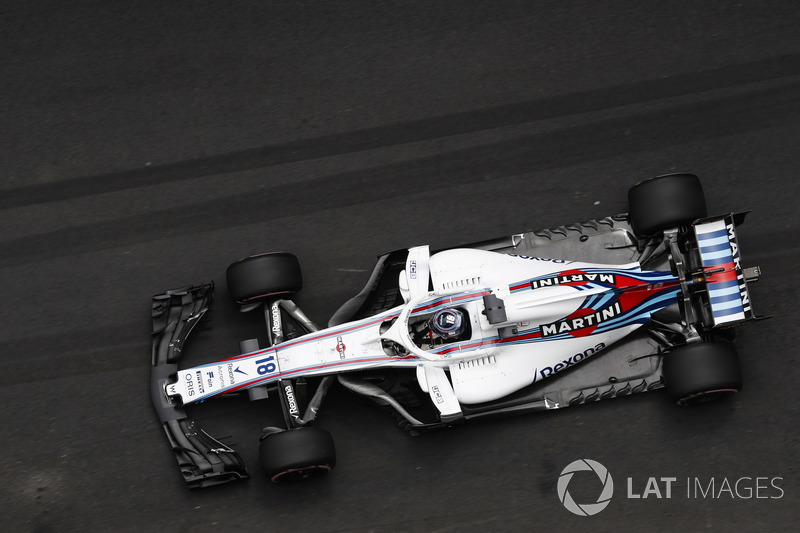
[[262, 276], [664, 202], [297, 454], [701, 372]]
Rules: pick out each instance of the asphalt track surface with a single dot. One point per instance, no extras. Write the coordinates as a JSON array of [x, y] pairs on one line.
[[147, 145]]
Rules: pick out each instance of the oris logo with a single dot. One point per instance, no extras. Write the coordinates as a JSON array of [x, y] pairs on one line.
[[585, 509]]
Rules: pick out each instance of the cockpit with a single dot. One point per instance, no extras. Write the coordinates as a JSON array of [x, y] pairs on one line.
[[445, 326], [438, 322], [430, 331]]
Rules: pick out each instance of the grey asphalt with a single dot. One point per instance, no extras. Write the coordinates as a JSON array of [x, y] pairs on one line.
[[144, 146]]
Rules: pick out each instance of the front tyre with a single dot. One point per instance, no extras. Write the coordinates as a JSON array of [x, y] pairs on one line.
[[665, 202], [701, 372], [297, 454], [265, 275]]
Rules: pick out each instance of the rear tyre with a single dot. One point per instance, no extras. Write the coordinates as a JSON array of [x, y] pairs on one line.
[[297, 454], [701, 372], [265, 275], [666, 201]]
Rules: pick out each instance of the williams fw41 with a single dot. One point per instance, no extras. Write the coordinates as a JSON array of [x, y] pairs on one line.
[[537, 320]]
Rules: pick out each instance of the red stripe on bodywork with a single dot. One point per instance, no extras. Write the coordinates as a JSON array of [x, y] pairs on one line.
[[727, 265], [720, 277], [728, 274], [444, 301], [280, 375]]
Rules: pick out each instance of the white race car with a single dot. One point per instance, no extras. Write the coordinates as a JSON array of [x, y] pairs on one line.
[[539, 320]]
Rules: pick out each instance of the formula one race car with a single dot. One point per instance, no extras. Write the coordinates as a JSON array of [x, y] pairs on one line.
[[538, 320]]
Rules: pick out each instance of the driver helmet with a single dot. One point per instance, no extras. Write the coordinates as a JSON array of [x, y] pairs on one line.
[[448, 322]]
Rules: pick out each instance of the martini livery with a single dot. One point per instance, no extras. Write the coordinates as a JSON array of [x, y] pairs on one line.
[[533, 321]]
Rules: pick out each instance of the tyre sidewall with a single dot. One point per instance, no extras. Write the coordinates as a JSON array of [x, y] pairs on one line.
[[297, 449], [701, 368], [264, 275], [666, 201]]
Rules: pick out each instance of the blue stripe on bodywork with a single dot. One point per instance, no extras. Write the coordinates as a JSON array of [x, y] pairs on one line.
[[712, 235], [722, 298], [704, 249]]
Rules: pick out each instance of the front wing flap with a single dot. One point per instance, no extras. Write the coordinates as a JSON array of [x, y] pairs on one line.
[[202, 460]]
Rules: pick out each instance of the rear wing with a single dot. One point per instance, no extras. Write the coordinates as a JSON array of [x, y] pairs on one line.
[[726, 280]]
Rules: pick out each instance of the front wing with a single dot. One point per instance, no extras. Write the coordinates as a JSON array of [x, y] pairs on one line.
[[202, 460]]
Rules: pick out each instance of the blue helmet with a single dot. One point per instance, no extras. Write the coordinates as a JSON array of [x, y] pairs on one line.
[[448, 322]]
